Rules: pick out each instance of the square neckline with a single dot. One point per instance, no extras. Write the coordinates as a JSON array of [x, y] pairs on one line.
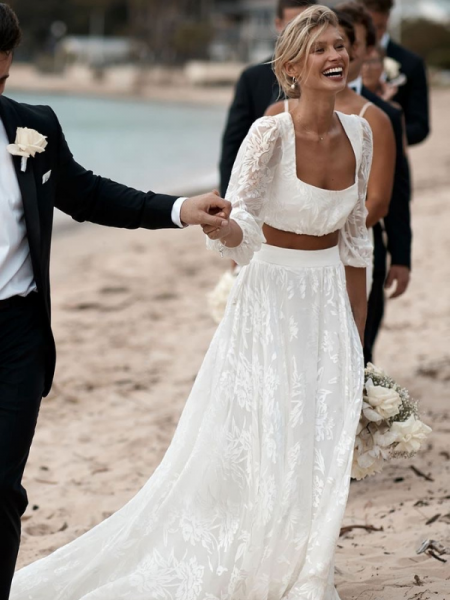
[[338, 114]]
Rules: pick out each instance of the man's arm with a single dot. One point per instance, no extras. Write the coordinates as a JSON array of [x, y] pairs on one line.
[[397, 223], [416, 107], [240, 118], [88, 197]]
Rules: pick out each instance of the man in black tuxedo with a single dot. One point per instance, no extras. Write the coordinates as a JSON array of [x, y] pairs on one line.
[[256, 89], [396, 226], [413, 94], [30, 188]]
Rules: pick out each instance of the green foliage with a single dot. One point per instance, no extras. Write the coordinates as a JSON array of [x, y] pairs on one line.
[[429, 39], [192, 39], [172, 30]]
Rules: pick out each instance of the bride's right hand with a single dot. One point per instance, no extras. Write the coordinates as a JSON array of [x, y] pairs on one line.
[[218, 233]]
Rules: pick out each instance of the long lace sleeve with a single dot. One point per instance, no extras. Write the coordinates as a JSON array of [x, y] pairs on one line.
[[249, 188], [355, 246]]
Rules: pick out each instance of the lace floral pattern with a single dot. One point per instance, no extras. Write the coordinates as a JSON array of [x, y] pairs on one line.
[[355, 244], [264, 188], [249, 187], [248, 500]]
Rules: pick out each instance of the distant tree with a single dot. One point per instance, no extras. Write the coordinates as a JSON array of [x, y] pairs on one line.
[[429, 39], [172, 30], [36, 18]]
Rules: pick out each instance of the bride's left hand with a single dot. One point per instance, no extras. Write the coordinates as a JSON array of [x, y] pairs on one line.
[[217, 233]]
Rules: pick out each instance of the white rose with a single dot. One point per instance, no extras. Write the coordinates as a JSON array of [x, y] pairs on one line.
[[29, 142], [391, 67], [410, 434], [384, 439], [385, 401], [371, 368], [371, 414], [366, 464], [368, 456]]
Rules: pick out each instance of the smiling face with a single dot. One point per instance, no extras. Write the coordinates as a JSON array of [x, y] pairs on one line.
[[372, 71], [325, 67], [358, 51], [5, 65]]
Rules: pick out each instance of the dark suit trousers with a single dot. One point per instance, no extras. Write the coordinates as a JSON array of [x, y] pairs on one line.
[[22, 372], [375, 306]]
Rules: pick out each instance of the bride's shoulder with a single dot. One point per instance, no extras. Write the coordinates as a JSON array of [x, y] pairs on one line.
[[354, 124], [268, 126]]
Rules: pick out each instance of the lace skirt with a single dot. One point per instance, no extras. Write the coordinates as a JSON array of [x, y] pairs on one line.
[[248, 501]]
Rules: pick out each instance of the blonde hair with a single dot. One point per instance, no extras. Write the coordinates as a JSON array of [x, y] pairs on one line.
[[295, 43]]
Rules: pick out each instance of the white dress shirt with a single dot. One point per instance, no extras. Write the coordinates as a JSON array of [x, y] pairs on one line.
[[16, 271], [384, 42], [356, 85]]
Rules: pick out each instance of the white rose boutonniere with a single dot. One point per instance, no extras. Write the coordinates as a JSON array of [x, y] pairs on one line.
[[29, 142], [391, 67], [392, 70]]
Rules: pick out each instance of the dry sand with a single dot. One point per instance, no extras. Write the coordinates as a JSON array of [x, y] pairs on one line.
[[132, 325]]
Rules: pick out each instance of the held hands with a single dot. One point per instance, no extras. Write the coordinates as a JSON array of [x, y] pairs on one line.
[[399, 275], [206, 210]]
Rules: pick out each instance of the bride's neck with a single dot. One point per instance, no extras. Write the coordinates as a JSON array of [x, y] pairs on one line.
[[314, 112]]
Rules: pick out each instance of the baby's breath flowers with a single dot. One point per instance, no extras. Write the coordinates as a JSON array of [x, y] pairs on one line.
[[389, 424]]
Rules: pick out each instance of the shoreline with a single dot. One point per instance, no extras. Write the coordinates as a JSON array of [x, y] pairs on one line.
[[26, 79]]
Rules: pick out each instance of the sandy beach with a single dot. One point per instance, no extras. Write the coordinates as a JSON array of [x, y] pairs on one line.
[[132, 324]]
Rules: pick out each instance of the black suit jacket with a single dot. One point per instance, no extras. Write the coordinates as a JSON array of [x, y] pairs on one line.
[[256, 89], [77, 192], [413, 95], [397, 223]]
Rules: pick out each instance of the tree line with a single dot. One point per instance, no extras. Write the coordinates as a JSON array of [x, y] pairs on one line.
[[171, 31]]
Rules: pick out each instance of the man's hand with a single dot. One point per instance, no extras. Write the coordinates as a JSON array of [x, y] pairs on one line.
[[399, 275], [388, 91], [207, 209]]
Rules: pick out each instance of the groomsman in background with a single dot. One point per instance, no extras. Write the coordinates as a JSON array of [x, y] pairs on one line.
[[413, 94], [393, 237], [256, 90]]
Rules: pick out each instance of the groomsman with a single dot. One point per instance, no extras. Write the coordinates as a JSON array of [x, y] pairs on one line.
[[30, 188], [256, 89], [393, 237], [413, 94]]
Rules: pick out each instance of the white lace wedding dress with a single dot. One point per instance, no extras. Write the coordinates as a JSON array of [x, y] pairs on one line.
[[248, 501]]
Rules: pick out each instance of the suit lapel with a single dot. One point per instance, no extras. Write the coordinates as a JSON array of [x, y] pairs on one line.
[[11, 120]]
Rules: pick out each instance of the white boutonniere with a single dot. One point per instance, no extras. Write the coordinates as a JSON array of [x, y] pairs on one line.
[[392, 68], [29, 142]]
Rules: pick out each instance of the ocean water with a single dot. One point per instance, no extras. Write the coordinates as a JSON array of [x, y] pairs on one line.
[[164, 147]]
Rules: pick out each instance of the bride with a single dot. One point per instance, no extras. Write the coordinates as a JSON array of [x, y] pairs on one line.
[[248, 501]]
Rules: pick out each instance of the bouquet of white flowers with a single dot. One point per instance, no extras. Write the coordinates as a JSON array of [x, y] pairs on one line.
[[218, 298], [389, 424]]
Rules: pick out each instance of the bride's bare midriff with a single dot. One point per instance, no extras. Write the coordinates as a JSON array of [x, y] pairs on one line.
[[296, 241]]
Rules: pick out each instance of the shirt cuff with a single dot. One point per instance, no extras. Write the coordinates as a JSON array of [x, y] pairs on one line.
[[176, 212]]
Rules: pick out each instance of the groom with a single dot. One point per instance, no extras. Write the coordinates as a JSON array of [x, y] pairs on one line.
[[30, 188]]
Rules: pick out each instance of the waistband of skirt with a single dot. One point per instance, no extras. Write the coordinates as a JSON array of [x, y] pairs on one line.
[[287, 257]]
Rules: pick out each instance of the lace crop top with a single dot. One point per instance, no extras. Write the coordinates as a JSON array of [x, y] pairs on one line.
[[264, 188]]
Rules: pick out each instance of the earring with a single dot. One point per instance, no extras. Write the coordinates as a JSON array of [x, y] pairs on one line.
[[294, 83]]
